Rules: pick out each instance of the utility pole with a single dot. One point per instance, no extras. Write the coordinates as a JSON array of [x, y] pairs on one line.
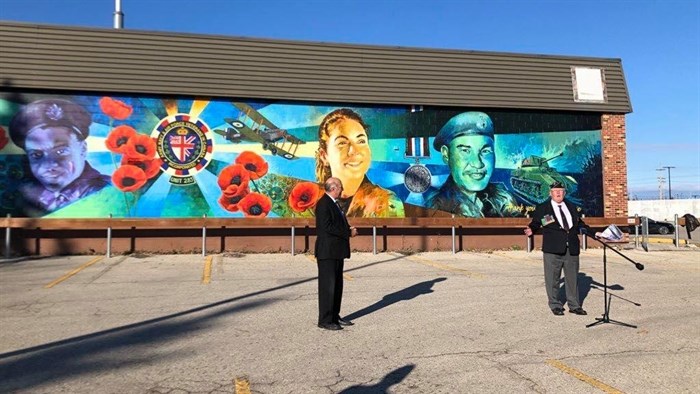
[[662, 181], [669, 179]]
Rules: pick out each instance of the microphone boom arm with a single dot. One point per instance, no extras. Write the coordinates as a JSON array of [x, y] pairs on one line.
[[605, 245]]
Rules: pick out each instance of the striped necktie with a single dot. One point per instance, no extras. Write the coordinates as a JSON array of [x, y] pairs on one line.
[[337, 204]]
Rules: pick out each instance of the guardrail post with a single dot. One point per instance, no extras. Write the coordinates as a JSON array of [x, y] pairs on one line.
[[528, 240], [7, 238], [293, 246], [675, 230], [374, 239], [204, 235], [454, 246], [109, 237], [585, 239], [645, 233]]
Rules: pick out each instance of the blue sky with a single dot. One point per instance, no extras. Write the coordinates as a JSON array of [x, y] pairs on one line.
[[658, 42]]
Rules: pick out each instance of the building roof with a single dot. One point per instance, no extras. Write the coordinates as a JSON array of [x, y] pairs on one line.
[[67, 58]]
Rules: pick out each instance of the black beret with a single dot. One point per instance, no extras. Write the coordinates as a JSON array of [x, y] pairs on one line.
[[557, 185], [467, 123], [50, 113]]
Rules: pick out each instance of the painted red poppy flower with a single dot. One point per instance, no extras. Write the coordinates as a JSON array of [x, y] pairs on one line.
[[149, 167], [3, 138], [128, 178], [255, 204], [115, 108], [304, 195], [253, 163], [232, 197], [119, 137], [141, 147], [237, 190], [233, 175]]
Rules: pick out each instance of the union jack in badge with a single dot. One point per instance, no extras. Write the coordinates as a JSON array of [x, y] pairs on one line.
[[184, 144]]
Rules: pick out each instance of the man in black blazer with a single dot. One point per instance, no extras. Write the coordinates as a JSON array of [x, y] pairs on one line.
[[560, 224], [332, 246]]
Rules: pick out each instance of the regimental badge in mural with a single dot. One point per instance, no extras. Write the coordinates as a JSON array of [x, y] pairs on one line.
[[185, 145]]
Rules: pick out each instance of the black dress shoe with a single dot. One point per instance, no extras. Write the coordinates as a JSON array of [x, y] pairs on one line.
[[330, 326], [344, 322], [578, 311], [558, 311]]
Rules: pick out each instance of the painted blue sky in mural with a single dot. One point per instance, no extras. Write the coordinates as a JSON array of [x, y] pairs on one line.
[[657, 41]]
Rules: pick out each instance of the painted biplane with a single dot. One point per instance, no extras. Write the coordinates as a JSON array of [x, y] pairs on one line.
[[252, 126]]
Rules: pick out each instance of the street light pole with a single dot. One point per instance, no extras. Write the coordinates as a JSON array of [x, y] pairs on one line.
[[669, 179]]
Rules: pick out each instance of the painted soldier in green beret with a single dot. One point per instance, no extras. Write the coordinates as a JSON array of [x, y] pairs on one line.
[[466, 145]]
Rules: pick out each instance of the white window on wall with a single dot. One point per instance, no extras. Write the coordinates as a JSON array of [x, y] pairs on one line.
[[589, 85]]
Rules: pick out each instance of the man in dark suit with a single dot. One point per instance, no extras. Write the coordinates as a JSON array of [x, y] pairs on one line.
[[332, 246], [560, 224]]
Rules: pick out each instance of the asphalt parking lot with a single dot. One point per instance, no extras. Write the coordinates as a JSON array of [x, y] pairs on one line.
[[425, 323]]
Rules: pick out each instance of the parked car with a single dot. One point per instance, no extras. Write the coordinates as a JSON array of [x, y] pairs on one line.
[[655, 227]]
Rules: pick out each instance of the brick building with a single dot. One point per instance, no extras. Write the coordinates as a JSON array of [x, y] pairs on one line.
[[212, 103]]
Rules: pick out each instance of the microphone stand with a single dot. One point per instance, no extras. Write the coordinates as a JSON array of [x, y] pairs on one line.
[[607, 298]]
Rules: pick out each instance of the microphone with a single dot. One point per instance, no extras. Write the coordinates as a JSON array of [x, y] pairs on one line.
[[639, 266]]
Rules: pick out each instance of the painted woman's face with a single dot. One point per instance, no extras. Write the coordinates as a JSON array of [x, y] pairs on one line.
[[347, 150]]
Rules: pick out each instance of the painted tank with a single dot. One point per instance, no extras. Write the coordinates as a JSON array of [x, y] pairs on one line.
[[532, 179]]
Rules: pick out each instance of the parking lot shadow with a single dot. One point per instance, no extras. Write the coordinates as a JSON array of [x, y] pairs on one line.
[[585, 284], [106, 350], [401, 295], [392, 378]]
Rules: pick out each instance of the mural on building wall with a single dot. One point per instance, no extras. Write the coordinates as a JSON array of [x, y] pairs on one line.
[[95, 156]]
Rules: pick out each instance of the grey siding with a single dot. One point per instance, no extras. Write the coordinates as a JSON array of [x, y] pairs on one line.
[[127, 61]]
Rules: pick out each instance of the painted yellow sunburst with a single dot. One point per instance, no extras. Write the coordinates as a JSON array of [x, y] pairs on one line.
[[198, 105]]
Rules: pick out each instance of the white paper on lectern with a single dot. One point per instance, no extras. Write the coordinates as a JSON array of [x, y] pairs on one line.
[[612, 233]]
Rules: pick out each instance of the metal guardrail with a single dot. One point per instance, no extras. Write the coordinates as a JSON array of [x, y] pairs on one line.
[[204, 223], [641, 231]]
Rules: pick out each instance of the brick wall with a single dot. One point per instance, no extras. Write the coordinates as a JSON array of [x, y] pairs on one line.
[[614, 165]]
